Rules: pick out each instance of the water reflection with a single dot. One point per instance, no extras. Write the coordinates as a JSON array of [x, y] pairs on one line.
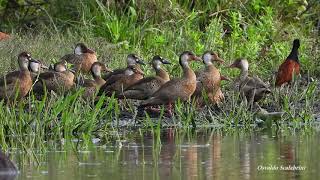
[[200, 155]]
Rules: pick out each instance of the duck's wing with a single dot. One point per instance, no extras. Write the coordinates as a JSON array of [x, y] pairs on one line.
[[114, 79], [47, 75], [253, 82], [9, 78], [115, 72], [140, 85], [260, 83], [72, 58], [89, 83]]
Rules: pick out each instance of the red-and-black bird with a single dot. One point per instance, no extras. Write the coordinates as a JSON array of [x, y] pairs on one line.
[[290, 67]]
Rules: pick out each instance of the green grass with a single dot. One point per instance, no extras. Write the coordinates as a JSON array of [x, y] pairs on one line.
[[114, 34]]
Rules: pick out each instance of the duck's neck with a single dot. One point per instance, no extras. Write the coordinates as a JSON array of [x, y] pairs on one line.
[[99, 80], [23, 67], [244, 74], [162, 73], [210, 66], [188, 72], [96, 72], [294, 54], [96, 77]]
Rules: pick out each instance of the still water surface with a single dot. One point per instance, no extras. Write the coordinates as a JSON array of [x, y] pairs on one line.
[[200, 155]]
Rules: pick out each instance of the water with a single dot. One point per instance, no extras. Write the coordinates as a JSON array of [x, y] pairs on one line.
[[200, 155]]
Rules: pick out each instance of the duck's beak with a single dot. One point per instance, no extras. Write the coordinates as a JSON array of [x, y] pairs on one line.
[[139, 71], [108, 70], [224, 78], [44, 66], [196, 58], [220, 60], [90, 51], [72, 70], [233, 65], [164, 61], [51, 67], [34, 60], [140, 61]]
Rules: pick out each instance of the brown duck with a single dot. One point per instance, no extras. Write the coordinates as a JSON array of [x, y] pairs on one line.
[[82, 58], [117, 83], [17, 82], [180, 88], [208, 80], [4, 36], [58, 80], [252, 88], [132, 60], [92, 85], [145, 87]]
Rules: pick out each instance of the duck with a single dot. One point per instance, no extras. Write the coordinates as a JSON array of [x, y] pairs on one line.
[[208, 79], [17, 84], [119, 82], [4, 36], [145, 87], [58, 80], [8, 169], [179, 88], [253, 89], [290, 67], [92, 85], [132, 60], [82, 58], [34, 66]]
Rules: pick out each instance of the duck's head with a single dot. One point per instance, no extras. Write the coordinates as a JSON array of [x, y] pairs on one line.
[[82, 48], [240, 63], [60, 66], [296, 43], [133, 70], [36, 65], [23, 60], [186, 57], [99, 67], [158, 60], [133, 59], [210, 56]]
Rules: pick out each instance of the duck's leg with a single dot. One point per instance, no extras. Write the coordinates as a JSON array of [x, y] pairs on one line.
[[253, 94], [170, 109]]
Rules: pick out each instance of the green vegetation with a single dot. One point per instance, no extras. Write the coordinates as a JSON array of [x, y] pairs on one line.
[[261, 31]]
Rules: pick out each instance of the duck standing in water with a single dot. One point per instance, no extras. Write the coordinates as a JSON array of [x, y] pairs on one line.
[[145, 87], [59, 80], [92, 85], [82, 58], [290, 67], [132, 60], [17, 84], [119, 82], [208, 80], [180, 88], [252, 89]]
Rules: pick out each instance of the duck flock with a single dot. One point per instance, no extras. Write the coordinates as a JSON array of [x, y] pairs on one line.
[[130, 82]]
